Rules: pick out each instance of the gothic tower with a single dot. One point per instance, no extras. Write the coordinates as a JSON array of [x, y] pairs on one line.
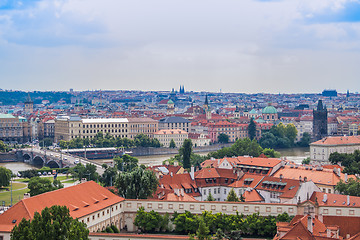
[[29, 105], [320, 127]]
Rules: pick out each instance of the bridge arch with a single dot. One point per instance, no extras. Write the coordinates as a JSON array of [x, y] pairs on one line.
[[38, 161], [26, 156], [53, 164]]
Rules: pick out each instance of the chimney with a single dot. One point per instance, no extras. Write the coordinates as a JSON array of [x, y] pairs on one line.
[[26, 195], [348, 200], [176, 163], [218, 162], [171, 174], [325, 198], [192, 173], [310, 224], [346, 177]]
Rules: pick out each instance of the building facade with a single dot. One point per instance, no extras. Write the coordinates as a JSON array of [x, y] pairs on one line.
[[70, 127], [321, 150], [166, 135]]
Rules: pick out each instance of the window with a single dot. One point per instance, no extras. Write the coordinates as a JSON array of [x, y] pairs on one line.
[[225, 191]]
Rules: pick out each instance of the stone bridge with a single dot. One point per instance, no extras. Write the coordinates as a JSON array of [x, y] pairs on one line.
[[42, 159]]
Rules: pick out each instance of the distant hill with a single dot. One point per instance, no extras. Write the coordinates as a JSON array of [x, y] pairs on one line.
[[15, 97]]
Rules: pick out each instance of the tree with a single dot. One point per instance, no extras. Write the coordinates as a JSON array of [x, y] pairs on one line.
[[271, 153], [126, 163], [352, 187], [306, 160], [291, 132], [52, 224], [203, 232], [46, 142], [172, 144], [305, 140], [185, 153], [252, 129], [210, 197], [38, 185], [147, 221], [3, 147], [30, 173], [5, 177], [232, 196], [109, 176], [138, 184], [223, 138]]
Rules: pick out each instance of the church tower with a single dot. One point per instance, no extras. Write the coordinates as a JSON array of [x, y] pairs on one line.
[[29, 105], [207, 108], [170, 108], [320, 127]]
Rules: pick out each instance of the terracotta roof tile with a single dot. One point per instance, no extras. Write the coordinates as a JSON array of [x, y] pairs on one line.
[[81, 199]]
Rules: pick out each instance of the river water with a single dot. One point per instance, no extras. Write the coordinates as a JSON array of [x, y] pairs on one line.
[[293, 154]]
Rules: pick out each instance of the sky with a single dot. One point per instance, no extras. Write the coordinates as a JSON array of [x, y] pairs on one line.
[[247, 46]]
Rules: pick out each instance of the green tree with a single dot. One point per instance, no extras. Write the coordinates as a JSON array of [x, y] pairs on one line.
[[305, 140], [223, 138], [78, 171], [185, 153], [52, 224], [210, 198], [291, 132], [252, 129], [172, 144], [46, 142], [138, 184], [5, 177], [352, 187], [306, 160], [186, 223], [203, 231], [147, 221], [271, 153], [38, 185], [232, 196], [126, 163], [3, 147], [109, 176]]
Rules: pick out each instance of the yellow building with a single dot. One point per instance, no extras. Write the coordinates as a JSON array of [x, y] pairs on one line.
[[166, 135], [69, 127]]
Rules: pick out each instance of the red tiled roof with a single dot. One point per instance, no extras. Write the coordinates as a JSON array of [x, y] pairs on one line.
[[241, 182], [325, 177], [338, 140], [335, 200], [81, 199], [252, 196], [289, 190]]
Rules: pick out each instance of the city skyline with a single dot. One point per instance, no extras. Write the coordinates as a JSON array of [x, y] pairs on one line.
[[247, 47]]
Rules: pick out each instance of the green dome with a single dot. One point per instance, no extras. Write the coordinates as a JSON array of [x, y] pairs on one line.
[[253, 111], [170, 102], [269, 110]]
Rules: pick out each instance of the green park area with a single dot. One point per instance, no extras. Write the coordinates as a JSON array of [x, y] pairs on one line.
[[17, 194]]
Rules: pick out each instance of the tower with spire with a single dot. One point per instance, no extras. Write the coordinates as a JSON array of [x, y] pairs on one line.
[[320, 124], [206, 107], [29, 105]]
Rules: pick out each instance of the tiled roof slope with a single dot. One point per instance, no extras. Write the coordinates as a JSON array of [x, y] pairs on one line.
[[81, 199], [343, 140]]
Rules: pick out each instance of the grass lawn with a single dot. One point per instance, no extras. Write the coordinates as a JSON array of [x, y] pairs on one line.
[[69, 181], [15, 186], [17, 196], [60, 178]]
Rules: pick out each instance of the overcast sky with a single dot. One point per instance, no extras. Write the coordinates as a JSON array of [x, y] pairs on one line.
[[286, 46]]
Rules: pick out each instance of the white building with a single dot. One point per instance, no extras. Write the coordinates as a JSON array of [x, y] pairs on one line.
[[321, 150]]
